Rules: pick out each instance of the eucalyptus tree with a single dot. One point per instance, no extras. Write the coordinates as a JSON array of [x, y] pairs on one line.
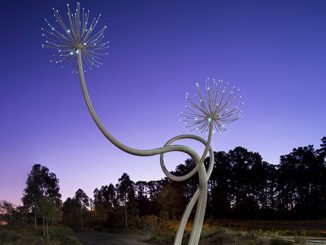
[[171, 200], [71, 212], [154, 187], [7, 211], [322, 161], [300, 182], [142, 200], [241, 160], [191, 185], [322, 150], [50, 211], [221, 188], [40, 184], [83, 202], [126, 196]]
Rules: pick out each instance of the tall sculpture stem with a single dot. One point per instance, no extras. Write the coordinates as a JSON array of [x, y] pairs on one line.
[[201, 194]]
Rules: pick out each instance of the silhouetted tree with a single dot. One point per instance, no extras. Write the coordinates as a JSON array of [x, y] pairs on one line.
[[105, 205], [300, 183], [7, 212], [171, 200], [50, 211], [242, 185], [126, 196], [242, 161], [322, 150], [83, 203], [40, 184], [190, 186], [220, 186], [71, 212], [142, 198], [321, 154]]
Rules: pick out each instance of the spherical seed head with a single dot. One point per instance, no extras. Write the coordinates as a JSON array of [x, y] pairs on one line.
[[78, 34], [218, 104]]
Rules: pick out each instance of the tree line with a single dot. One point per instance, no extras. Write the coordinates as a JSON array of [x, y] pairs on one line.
[[242, 186]]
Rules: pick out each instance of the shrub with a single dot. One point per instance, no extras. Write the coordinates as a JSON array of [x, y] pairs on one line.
[[300, 240], [278, 241]]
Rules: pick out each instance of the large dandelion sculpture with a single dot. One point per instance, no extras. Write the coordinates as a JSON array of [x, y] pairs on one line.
[[78, 36], [207, 112]]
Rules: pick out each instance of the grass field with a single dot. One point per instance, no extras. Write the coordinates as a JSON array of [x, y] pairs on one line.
[[217, 232], [246, 232], [283, 227]]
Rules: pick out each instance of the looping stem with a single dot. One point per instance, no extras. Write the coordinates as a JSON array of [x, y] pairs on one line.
[[201, 194]]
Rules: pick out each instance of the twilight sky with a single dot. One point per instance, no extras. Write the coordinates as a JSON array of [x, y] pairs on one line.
[[274, 50]]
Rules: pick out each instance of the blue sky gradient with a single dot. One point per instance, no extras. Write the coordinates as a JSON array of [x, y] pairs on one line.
[[274, 50]]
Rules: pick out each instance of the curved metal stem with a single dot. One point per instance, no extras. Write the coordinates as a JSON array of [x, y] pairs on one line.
[[112, 139], [202, 199], [201, 194], [185, 218]]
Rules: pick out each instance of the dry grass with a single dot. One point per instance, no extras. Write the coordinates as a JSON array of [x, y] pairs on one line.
[[22, 235], [239, 233]]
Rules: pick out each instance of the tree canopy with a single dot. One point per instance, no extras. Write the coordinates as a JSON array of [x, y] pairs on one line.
[[242, 185]]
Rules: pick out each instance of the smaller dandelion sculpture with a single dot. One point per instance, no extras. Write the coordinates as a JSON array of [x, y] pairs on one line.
[[220, 105], [207, 112]]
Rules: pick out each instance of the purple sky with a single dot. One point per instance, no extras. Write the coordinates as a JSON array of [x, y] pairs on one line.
[[275, 51]]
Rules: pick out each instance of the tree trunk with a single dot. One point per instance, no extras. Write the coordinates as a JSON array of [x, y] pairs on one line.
[[35, 223], [43, 225], [126, 218], [81, 220], [47, 232]]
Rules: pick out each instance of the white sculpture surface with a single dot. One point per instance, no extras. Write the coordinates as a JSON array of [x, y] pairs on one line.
[[217, 106]]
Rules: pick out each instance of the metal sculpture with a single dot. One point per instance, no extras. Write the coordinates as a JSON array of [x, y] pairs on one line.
[[214, 108]]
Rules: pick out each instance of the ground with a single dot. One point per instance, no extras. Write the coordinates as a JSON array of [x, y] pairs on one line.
[[103, 238]]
